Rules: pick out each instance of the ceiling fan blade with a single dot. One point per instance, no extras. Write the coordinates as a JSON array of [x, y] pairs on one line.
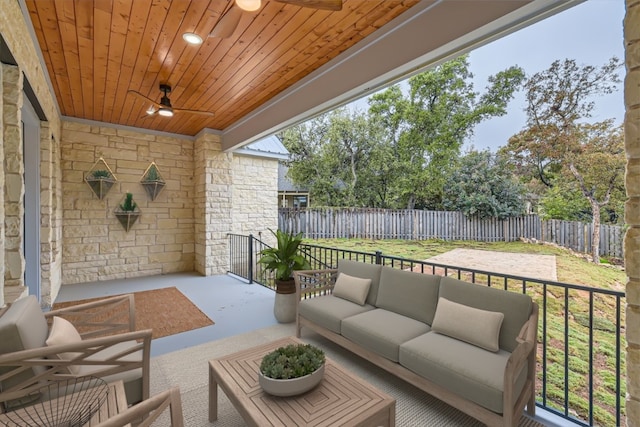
[[227, 23], [333, 5], [182, 110], [138, 94]]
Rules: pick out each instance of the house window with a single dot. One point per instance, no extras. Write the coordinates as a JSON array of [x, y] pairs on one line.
[[299, 201]]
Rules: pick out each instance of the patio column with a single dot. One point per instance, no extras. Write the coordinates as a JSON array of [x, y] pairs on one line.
[[2, 213], [632, 208], [213, 202], [13, 158]]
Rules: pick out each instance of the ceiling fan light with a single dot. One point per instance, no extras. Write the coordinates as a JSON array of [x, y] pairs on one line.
[[192, 38], [248, 5], [165, 112]]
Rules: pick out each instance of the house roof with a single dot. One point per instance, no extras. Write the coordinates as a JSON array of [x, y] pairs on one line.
[[269, 146], [282, 65]]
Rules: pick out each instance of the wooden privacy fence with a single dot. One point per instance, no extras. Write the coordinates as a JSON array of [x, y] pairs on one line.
[[407, 224]]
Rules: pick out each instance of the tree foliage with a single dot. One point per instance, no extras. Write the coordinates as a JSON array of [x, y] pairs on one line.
[[559, 144], [399, 153], [483, 185]]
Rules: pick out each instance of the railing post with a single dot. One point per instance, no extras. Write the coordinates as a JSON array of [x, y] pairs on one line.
[[378, 257], [250, 258]]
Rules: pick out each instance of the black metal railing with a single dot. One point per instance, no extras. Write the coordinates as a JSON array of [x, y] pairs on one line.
[[577, 380]]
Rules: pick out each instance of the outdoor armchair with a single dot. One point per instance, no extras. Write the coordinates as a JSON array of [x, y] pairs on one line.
[[149, 410], [38, 347]]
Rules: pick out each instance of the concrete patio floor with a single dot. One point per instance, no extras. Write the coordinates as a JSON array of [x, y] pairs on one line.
[[234, 305]]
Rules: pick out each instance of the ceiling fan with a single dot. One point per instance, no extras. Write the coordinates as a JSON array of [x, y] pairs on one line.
[[230, 19], [164, 107]]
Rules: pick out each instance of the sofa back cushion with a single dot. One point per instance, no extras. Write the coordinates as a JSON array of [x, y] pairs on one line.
[[411, 294], [516, 307], [363, 271], [22, 327]]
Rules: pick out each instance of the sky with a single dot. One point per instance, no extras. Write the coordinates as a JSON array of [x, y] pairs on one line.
[[590, 33]]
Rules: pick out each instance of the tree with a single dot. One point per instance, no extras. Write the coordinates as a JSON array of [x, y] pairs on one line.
[[559, 144], [483, 185], [429, 124]]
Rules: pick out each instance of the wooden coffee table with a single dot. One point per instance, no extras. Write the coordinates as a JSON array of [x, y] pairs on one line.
[[341, 399]]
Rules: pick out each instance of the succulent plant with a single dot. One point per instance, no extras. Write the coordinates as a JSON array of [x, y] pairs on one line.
[[129, 205], [100, 173], [292, 361], [152, 174]]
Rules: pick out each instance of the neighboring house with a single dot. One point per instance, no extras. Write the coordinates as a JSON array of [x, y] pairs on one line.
[[289, 195]]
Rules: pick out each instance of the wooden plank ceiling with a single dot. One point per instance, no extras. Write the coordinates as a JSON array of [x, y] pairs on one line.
[[96, 51]]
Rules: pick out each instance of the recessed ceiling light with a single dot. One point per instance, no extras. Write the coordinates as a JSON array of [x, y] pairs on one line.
[[192, 38], [248, 5]]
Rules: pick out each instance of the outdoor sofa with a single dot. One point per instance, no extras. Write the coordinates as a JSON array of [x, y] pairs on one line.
[[469, 345], [92, 339]]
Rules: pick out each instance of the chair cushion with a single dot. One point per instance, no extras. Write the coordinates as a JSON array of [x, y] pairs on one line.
[[132, 378], [412, 294], [469, 371], [22, 327], [351, 288], [364, 271], [515, 306], [382, 331], [63, 332], [328, 311], [475, 326]]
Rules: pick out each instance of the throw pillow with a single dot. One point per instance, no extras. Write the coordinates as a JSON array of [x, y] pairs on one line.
[[63, 332], [351, 288], [478, 327]]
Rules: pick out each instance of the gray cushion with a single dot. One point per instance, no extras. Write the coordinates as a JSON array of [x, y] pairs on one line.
[[382, 331], [515, 306], [475, 326], [328, 311], [408, 293], [354, 289], [364, 271], [22, 327], [469, 371]]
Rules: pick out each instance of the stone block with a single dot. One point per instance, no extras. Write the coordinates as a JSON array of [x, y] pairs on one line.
[[167, 224], [633, 325], [632, 88], [632, 23], [633, 371], [165, 257], [133, 252], [632, 253]]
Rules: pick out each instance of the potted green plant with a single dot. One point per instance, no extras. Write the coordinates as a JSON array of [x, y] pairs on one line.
[[152, 181], [100, 181], [127, 212], [291, 370], [282, 260]]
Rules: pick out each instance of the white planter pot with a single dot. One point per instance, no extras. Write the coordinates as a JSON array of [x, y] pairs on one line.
[[284, 308], [290, 387]]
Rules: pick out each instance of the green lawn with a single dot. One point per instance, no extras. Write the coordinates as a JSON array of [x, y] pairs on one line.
[[571, 268]]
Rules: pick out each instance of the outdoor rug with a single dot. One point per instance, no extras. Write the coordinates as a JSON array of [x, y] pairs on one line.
[[414, 408], [166, 311]]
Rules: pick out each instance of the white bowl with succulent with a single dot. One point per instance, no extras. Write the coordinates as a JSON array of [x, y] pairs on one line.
[[291, 370]]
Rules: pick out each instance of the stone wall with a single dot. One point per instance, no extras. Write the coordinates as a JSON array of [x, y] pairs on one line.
[[17, 37], [255, 196], [95, 245], [632, 208], [213, 202]]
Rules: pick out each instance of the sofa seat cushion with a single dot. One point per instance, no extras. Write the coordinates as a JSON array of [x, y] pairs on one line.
[[466, 370], [382, 331], [132, 378], [328, 311]]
